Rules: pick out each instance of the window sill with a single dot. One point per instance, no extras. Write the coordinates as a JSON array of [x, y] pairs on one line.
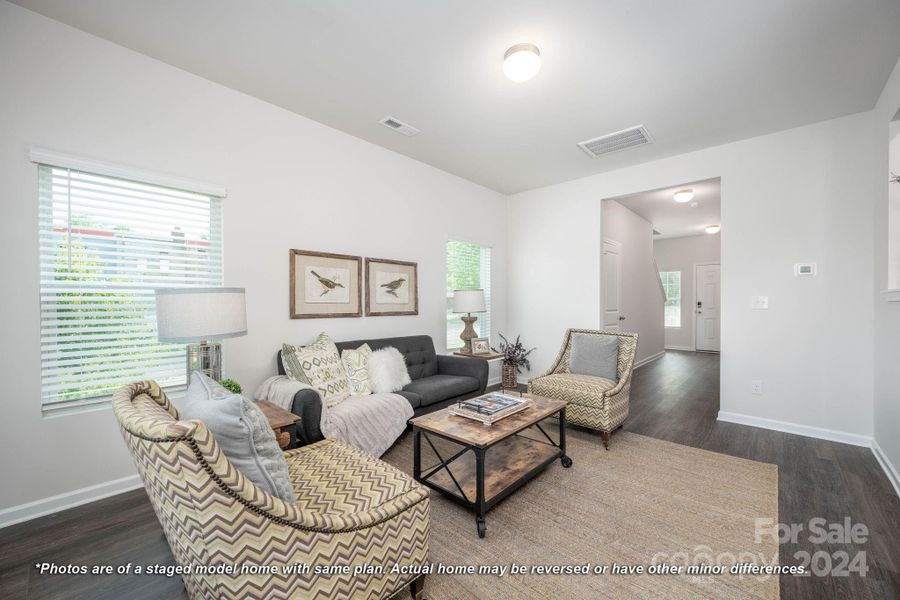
[[53, 413], [672, 327], [891, 295]]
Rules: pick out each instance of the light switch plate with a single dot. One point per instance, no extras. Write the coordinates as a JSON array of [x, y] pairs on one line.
[[759, 302]]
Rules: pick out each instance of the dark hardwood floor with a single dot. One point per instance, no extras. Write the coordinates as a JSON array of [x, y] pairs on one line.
[[675, 398]]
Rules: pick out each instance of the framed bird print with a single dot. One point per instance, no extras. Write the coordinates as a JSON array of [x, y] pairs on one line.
[[392, 288], [325, 285]]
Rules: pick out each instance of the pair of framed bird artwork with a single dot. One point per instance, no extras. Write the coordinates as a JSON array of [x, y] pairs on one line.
[[331, 285]]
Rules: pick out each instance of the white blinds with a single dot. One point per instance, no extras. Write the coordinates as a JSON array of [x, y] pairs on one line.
[[105, 245], [468, 267]]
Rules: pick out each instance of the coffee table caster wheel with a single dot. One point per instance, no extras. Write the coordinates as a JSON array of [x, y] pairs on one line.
[[566, 462], [482, 528]]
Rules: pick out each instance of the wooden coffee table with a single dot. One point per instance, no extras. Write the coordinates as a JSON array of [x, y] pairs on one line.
[[494, 460]]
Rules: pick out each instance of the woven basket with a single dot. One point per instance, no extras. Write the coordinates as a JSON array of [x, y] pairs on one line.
[[510, 377]]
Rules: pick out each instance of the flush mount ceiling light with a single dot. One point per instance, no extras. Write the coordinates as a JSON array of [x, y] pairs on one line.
[[683, 196], [711, 229], [522, 62]]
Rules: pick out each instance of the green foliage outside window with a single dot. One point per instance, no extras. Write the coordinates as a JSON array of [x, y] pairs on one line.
[[468, 267]]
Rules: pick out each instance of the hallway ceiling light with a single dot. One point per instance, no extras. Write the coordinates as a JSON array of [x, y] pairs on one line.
[[683, 196], [522, 62], [711, 229]]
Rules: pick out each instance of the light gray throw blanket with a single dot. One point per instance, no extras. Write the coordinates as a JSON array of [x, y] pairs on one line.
[[371, 423]]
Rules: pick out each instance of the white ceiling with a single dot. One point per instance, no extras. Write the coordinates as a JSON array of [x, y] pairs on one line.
[[696, 73], [672, 219]]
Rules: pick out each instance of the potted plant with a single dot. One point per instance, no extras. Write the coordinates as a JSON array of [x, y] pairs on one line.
[[515, 356], [231, 385]]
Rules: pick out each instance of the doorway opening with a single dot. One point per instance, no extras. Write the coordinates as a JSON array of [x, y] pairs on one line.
[[661, 271]]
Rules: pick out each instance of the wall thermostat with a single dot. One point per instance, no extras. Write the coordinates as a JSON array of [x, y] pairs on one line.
[[804, 269]]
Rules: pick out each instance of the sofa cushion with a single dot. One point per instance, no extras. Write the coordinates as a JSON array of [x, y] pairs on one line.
[[331, 477], [441, 387], [242, 432], [595, 355], [585, 390], [413, 398], [418, 350]]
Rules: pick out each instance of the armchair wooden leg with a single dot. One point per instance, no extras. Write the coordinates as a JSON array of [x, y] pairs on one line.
[[417, 588], [605, 435]]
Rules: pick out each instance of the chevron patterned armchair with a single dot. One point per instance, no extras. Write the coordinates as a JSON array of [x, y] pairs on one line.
[[353, 511], [594, 402]]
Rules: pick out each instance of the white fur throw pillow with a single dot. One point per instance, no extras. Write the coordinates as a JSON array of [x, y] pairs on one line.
[[387, 370]]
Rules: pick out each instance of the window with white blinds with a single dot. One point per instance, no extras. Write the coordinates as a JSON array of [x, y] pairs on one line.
[[468, 267], [105, 245]]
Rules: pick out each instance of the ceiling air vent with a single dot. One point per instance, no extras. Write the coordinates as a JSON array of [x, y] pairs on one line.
[[399, 126], [613, 142]]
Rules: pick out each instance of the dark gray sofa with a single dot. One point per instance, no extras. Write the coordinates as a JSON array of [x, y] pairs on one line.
[[437, 380]]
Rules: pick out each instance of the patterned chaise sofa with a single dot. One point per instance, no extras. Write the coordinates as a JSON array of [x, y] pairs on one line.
[[594, 402], [351, 510]]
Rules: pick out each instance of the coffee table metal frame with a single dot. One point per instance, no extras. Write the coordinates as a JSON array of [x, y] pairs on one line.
[[481, 505]]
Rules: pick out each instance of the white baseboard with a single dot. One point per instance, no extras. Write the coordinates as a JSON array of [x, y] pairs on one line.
[[844, 437], [684, 348], [649, 359], [495, 381], [886, 466], [55, 504]]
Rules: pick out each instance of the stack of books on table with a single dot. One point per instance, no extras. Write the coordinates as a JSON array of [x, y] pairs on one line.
[[489, 408]]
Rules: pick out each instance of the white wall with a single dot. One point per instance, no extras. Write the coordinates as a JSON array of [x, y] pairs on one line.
[[642, 298], [894, 206], [681, 254], [292, 183], [805, 194], [887, 314]]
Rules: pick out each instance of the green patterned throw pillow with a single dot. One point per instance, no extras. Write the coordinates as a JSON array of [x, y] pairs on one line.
[[355, 362], [319, 365]]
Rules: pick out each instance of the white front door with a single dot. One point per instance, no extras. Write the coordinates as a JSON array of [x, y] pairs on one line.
[[707, 283], [612, 284]]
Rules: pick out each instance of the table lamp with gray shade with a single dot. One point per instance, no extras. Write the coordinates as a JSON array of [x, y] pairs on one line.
[[194, 316], [468, 301]]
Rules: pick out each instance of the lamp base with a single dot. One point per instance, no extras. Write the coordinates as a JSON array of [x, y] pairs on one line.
[[468, 333], [206, 358]]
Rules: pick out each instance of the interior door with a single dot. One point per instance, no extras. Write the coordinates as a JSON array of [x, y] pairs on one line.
[[612, 285], [707, 283]]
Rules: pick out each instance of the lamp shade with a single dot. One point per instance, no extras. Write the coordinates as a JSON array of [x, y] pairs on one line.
[[468, 301], [185, 315]]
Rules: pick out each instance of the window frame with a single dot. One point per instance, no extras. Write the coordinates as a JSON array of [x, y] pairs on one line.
[[666, 284], [485, 271], [112, 272]]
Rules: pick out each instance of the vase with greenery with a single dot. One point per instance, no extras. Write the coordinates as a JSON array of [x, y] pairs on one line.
[[515, 356]]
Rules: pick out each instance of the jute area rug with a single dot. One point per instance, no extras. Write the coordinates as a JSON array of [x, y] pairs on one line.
[[646, 501]]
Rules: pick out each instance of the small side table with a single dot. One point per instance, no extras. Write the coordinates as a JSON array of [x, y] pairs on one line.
[[485, 356], [282, 423]]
